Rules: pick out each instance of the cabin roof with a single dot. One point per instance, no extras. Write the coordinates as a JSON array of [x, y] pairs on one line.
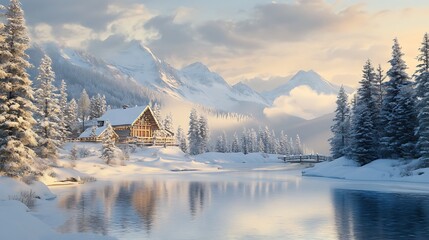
[[88, 132], [124, 117]]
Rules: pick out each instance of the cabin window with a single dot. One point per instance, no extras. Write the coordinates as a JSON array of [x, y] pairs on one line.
[[100, 123]]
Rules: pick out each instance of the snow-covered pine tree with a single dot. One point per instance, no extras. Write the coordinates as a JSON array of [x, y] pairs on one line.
[[71, 115], [379, 88], [93, 105], [274, 143], [245, 142], [181, 140], [220, 144], [292, 146], [284, 144], [103, 106], [194, 138], [340, 141], [398, 115], [16, 119], [422, 68], [253, 140], [168, 123], [109, 148], [73, 155], [204, 134], [63, 110], [261, 141], [422, 91], [364, 143], [299, 149], [157, 112], [48, 127], [97, 106], [235, 145], [84, 107]]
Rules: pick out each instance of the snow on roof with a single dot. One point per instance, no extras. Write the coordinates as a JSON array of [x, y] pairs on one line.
[[88, 132], [118, 117]]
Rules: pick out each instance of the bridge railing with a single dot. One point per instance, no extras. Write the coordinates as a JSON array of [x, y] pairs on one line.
[[305, 158]]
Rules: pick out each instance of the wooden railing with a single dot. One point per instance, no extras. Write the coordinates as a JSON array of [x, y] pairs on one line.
[[305, 158], [150, 141]]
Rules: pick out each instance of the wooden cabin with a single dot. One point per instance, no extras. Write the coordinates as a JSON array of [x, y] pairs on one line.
[[137, 125]]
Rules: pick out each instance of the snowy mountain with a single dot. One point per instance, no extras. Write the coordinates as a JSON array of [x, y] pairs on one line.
[[310, 79], [81, 70], [194, 83], [138, 76]]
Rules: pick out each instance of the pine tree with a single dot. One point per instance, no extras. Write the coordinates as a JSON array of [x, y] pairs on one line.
[[261, 141], [364, 144], [398, 114], [157, 113], [245, 142], [71, 115], [16, 120], [168, 122], [109, 149], [63, 110], [93, 105], [48, 127], [194, 133], [422, 68], [298, 145], [84, 107], [285, 144], [235, 147], [222, 144], [204, 134], [340, 142], [253, 140], [422, 92], [181, 140]]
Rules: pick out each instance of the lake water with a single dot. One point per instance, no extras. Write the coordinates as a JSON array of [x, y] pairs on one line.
[[254, 205]]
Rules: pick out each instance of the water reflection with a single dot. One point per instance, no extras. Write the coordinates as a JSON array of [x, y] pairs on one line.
[[376, 215], [265, 205], [121, 208]]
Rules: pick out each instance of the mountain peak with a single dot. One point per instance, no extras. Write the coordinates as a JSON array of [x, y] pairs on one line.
[[310, 78], [196, 66]]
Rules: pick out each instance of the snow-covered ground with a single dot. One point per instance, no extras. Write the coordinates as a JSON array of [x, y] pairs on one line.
[[379, 170]]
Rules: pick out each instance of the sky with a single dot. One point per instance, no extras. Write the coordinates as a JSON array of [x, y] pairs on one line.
[[243, 39]]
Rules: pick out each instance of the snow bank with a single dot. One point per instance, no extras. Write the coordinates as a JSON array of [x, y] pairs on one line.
[[379, 170], [11, 187]]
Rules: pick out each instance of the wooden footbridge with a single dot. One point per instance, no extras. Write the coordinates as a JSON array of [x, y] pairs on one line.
[[312, 158]]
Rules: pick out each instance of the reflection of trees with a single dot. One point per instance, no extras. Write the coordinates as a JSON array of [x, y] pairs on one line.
[[196, 197], [133, 206], [88, 215], [144, 199], [374, 215]]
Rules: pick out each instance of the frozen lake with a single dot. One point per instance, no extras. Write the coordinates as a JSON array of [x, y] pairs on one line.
[[249, 205]]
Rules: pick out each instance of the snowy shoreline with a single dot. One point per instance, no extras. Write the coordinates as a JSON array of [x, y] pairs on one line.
[[379, 170]]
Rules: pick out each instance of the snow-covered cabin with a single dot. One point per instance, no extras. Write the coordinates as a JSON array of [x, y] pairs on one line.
[[95, 134], [136, 124]]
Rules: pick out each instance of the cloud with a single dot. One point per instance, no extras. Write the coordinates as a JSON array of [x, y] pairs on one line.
[[302, 102]]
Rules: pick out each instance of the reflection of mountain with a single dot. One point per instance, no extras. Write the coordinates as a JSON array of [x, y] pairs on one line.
[[374, 215]]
